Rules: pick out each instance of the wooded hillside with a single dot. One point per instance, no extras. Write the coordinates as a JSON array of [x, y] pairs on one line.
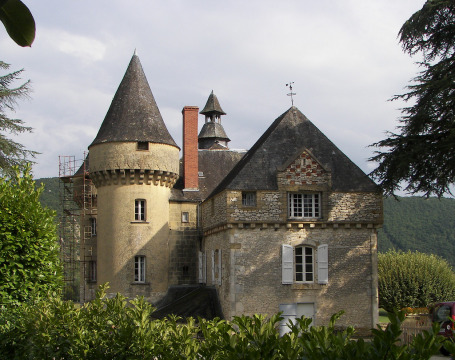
[[412, 223], [415, 223]]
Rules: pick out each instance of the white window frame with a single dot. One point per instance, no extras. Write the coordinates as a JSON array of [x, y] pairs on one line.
[[249, 198], [93, 226], [139, 269], [185, 216], [304, 264], [304, 205], [140, 209]]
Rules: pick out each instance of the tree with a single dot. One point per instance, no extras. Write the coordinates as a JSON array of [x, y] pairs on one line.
[[12, 153], [18, 21], [29, 250], [413, 279], [420, 157]]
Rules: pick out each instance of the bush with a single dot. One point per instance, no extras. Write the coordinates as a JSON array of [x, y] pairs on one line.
[[119, 329], [413, 279], [29, 251]]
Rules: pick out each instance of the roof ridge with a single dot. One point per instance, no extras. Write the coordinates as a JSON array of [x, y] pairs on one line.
[[245, 159]]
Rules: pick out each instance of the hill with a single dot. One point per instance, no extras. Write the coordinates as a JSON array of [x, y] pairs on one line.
[[50, 196], [415, 223], [410, 223]]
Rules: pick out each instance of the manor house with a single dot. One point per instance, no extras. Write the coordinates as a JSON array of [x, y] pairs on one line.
[[289, 225]]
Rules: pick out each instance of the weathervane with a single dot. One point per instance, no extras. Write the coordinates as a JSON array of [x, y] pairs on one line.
[[291, 93]]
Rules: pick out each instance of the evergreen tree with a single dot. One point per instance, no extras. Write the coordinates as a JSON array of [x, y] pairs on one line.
[[11, 152], [421, 154]]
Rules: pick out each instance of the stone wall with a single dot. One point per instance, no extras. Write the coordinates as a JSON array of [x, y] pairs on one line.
[[252, 272], [184, 243], [271, 207]]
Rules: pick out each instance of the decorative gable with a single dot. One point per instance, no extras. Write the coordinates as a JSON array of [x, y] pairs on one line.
[[304, 169]]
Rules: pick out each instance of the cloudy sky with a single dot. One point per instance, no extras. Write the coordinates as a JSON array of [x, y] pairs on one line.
[[343, 57]]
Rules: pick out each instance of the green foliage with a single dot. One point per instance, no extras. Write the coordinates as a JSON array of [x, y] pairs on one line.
[[11, 152], [29, 251], [114, 328], [422, 153], [413, 279], [18, 21], [419, 224]]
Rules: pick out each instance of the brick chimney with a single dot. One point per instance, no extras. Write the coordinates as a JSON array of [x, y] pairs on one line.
[[190, 148]]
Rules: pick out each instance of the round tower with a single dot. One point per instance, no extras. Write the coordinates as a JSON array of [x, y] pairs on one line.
[[134, 162]]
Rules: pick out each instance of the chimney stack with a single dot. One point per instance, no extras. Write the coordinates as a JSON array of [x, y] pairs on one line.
[[190, 148]]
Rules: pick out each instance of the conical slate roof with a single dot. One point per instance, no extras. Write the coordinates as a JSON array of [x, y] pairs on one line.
[[133, 114], [289, 134], [212, 106]]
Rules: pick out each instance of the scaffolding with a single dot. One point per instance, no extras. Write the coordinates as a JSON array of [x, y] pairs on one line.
[[78, 205]]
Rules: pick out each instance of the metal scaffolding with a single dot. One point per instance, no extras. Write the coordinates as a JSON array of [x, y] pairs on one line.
[[78, 205]]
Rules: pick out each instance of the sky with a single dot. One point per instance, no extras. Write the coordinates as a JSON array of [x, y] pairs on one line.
[[343, 58]]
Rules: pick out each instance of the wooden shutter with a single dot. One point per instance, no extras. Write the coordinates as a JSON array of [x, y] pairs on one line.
[[289, 313], [213, 267], [201, 267], [219, 267], [323, 264], [204, 266], [287, 264]]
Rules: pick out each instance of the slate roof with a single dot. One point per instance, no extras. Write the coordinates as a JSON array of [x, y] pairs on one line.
[[214, 166], [289, 134], [133, 114], [189, 301], [212, 106], [213, 129]]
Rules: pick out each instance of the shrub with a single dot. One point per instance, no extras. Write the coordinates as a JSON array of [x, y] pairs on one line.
[[116, 328], [29, 251], [413, 279]]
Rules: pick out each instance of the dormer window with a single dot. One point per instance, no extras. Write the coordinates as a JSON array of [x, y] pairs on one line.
[[302, 205], [142, 145]]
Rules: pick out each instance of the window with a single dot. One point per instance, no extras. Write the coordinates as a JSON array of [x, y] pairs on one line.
[[304, 205], [216, 266], [143, 145], [298, 265], [139, 269], [248, 198], [93, 226], [139, 210], [185, 217], [202, 267], [92, 271], [303, 262]]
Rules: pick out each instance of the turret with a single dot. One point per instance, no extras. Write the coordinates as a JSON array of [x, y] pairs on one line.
[[134, 163], [212, 135]]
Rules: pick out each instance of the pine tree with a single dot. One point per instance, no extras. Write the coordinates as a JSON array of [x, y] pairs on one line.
[[420, 157], [11, 152]]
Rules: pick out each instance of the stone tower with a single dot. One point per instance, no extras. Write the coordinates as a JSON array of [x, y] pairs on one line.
[[134, 163]]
